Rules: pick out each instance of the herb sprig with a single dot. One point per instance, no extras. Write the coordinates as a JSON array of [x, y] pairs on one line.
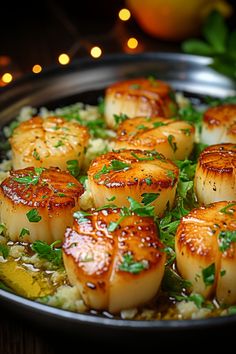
[[218, 42]]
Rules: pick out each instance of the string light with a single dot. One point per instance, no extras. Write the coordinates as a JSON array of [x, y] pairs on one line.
[[7, 78], [96, 52], [124, 14], [37, 69], [64, 59], [132, 43]]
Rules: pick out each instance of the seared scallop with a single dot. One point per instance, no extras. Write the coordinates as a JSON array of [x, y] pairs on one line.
[[142, 175], [215, 177], [206, 250], [219, 125], [115, 268], [172, 138], [49, 142], [139, 97], [37, 203]]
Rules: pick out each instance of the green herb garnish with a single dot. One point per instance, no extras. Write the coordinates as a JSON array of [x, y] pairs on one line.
[[228, 209], [33, 215], [131, 266], [24, 232], [73, 167], [4, 250], [208, 274], [148, 198], [48, 252], [225, 239], [172, 143]]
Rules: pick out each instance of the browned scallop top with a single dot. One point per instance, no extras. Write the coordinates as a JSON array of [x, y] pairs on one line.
[[220, 115], [220, 158], [151, 131], [132, 168], [200, 231], [95, 249], [40, 187], [51, 132], [149, 89]]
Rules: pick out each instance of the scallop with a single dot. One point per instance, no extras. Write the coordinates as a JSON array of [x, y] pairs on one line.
[[139, 97], [206, 250], [37, 203], [49, 142], [114, 268], [170, 137], [219, 125], [215, 174], [141, 175]]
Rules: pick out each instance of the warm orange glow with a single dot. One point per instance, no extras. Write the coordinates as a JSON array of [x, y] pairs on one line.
[[132, 43], [124, 14], [96, 52], [64, 59], [6, 78], [37, 69]]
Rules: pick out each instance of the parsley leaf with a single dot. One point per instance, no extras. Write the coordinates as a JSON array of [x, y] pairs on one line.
[[33, 215], [4, 250], [225, 239], [208, 274], [73, 167], [172, 143], [228, 209], [131, 266], [148, 198], [48, 252], [120, 118]]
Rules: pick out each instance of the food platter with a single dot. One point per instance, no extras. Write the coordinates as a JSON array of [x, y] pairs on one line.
[[85, 81]]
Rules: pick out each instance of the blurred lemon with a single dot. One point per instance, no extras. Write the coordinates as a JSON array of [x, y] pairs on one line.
[[174, 19]]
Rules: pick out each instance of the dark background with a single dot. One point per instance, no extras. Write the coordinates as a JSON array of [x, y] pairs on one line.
[[36, 33]]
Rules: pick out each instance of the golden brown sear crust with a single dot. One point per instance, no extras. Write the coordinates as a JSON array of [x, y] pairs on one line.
[[48, 142], [99, 260], [204, 240], [220, 115], [44, 188], [219, 125], [215, 174], [139, 97], [141, 165], [173, 138]]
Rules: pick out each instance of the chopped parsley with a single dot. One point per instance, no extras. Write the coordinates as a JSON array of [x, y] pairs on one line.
[[208, 274], [131, 266], [24, 232], [4, 250], [36, 155], [111, 199], [225, 239], [141, 127], [186, 131], [116, 165], [71, 185], [2, 229], [148, 181], [135, 86], [120, 118], [158, 124], [33, 215], [228, 209], [148, 198], [172, 143], [48, 252], [31, 178], [59, 143], [73, 167], [151, 155]]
